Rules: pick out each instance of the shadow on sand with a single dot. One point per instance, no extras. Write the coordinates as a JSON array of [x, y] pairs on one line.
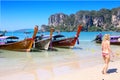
[[113, 70]]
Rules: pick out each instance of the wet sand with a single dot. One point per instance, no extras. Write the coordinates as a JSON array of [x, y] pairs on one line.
[[81, 63]]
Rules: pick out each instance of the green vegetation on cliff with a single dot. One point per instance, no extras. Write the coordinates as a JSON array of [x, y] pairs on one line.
[[102, 20]]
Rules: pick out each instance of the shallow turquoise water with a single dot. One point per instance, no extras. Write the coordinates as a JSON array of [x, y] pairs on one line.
[[84, 36]]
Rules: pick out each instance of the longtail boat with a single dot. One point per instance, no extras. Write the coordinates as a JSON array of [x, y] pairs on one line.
[[114, 40], [62, 41], [43, 42], [23, 45]]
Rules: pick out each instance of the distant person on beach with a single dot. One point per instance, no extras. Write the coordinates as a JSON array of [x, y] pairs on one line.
[[99, 37], [106, 52]]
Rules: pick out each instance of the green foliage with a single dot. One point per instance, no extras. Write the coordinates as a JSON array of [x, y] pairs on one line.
[[93, 28], [118, 29], [110, 28]]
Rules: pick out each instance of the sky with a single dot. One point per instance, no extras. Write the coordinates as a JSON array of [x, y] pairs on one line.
[[16, 15]]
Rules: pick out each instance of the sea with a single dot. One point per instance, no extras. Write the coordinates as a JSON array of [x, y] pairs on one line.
[[83, 36], [60, 61]]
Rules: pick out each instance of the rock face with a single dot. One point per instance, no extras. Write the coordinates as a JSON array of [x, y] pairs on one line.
[[102, 18], [98, 21], [116, 19], [56, 19]]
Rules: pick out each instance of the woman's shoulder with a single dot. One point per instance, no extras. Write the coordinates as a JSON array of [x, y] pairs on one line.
[[105, 41]]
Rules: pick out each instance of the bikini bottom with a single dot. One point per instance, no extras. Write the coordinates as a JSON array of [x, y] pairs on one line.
[[104, 54]]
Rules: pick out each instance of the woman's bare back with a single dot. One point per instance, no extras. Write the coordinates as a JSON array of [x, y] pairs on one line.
[[105, 46]]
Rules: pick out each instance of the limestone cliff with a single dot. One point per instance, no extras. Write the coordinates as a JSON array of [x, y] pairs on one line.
[[103, 18], [56, 19]]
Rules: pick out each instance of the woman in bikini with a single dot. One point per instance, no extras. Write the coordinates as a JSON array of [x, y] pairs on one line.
[[106, 51]]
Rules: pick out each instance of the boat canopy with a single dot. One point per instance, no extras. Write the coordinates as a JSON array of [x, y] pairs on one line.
[[57, 36], [12, 37], [114, 36], [3, 37]]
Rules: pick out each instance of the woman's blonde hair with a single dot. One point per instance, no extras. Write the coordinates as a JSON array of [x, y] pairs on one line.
[[106, 37]]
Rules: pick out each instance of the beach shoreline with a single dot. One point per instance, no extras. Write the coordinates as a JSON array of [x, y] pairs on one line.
[[89, 73]]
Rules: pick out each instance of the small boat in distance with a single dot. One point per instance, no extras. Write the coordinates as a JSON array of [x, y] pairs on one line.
[[63, 42], [114, 40], [23, 45]]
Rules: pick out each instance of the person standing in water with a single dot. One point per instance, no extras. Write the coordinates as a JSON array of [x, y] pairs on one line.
[[106, 52]]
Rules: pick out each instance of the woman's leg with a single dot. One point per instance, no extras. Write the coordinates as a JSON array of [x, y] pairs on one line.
[[104, 58], [107, 60]]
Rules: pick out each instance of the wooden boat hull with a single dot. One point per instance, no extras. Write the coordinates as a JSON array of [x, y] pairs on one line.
[[97, 41], [42, 44], [115, 43], [24, 45], [65, 43], [112, 43]]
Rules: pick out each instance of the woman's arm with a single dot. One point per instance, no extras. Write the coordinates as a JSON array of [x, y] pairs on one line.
[[109, 48]]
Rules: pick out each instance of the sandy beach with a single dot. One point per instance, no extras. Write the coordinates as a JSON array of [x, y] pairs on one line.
[[67, 73], [58, 65]]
